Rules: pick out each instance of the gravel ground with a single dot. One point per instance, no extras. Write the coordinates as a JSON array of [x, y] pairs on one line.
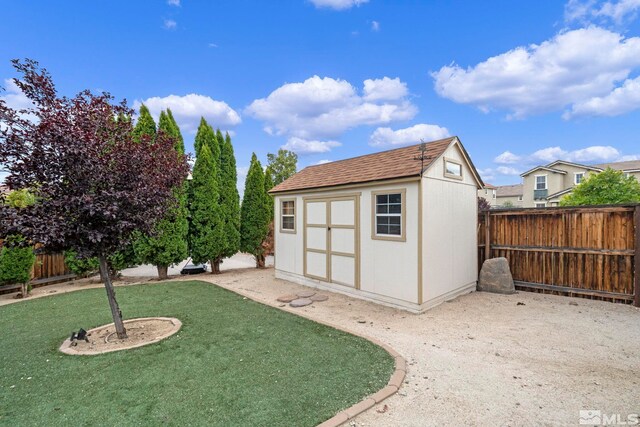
[[482, 359]]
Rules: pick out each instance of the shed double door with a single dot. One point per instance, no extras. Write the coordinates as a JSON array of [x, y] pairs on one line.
[[331, 240]]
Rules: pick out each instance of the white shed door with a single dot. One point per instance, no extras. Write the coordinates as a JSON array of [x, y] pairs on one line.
[[331, 240]]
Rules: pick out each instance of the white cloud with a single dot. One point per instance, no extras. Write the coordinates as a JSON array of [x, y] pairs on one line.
[[592, 154], [324, 108], [375, 26], [242, 172], [507, 158], [14, 97], [323, 162], [569, 69], [173, 3], [588, 10], [337, 4], [384, 89], [385, 136], [507, 170], [304, 146], [170, 24], [621, 100], [188, 109]]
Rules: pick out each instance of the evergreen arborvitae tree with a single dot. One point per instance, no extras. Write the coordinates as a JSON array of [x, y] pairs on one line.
[[176, 132], [145, 126], [167, 245], [207, 224], [254, 213], [229, 198], [268, 185]]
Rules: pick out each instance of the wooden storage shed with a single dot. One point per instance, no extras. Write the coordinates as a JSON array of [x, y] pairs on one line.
[[386, 227]]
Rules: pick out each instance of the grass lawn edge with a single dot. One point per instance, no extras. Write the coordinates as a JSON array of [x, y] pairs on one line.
[[392, 387]]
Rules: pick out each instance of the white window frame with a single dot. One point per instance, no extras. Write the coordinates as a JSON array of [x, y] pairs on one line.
[[289, 215], [575, 177], [546, 182], [544, 205], [402, 237], [452, 175], [494, 194]]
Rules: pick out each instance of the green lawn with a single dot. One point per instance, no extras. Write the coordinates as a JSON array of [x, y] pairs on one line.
[[234, 363]]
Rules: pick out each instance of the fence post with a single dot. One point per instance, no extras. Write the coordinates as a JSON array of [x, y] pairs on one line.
[[636, 257], [487, 236]]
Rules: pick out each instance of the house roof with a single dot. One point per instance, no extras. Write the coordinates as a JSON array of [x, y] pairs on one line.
[[579, 165], [509, 190], [489, 186], [622, 166], [560, 193], [391, 164], [547, 168]]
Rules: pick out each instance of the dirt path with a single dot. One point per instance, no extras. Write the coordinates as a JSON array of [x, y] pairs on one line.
[[482, 359]]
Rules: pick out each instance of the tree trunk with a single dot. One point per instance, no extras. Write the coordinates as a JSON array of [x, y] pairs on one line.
[[260, 260], [162, 272], [25, 290], [111, 296], [215, 266]]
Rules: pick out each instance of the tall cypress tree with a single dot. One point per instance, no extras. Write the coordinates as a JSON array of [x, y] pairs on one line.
[[145, 125], [268, 185], [229, 198], [207, 231], [176, 132], [167, 245], [254, 213]]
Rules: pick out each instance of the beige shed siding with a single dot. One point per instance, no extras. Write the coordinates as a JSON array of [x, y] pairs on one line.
[[288, 255], [449, 248], [390, 267]]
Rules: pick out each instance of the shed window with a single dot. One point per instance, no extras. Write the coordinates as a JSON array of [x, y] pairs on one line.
[[389, 214], [288, 216], [452, 169]]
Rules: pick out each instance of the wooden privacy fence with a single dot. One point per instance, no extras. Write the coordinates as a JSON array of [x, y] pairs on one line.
[[585, 251]]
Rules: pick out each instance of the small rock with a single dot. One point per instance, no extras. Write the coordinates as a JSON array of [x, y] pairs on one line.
[[318, 298], [300, 302], [287, 298], [520, 303], [305, 294], [362, 321], [573, 303]]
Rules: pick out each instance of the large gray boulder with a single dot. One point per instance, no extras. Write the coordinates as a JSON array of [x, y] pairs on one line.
[[495, 276]]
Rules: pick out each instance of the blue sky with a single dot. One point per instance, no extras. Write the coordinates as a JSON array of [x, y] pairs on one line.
[[521, 83]]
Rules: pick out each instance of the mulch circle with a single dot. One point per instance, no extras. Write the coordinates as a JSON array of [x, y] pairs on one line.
[[318, 298], [305, 294], [300, 302], [287, 298]]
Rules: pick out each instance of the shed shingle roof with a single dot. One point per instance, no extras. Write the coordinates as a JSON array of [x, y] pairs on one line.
[[397, 163]]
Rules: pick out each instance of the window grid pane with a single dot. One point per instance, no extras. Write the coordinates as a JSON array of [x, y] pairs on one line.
[[389, 214], [288, 215]]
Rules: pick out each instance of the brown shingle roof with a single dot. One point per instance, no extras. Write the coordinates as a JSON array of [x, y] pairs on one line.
[[397, 163], [509, 190]]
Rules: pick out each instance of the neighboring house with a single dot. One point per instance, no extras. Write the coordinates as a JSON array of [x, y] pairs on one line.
[[510, 195], [488, 193], [544, 186], [381, 228]]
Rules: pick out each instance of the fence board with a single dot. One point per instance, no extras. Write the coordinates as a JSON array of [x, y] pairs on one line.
[[594, 250]]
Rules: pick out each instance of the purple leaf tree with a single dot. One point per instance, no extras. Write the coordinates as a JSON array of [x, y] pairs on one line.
[[94, 185]]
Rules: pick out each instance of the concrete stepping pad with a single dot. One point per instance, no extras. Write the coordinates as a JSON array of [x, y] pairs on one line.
[[305, 294], [287, 298], [300, 302], [318, 298]]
